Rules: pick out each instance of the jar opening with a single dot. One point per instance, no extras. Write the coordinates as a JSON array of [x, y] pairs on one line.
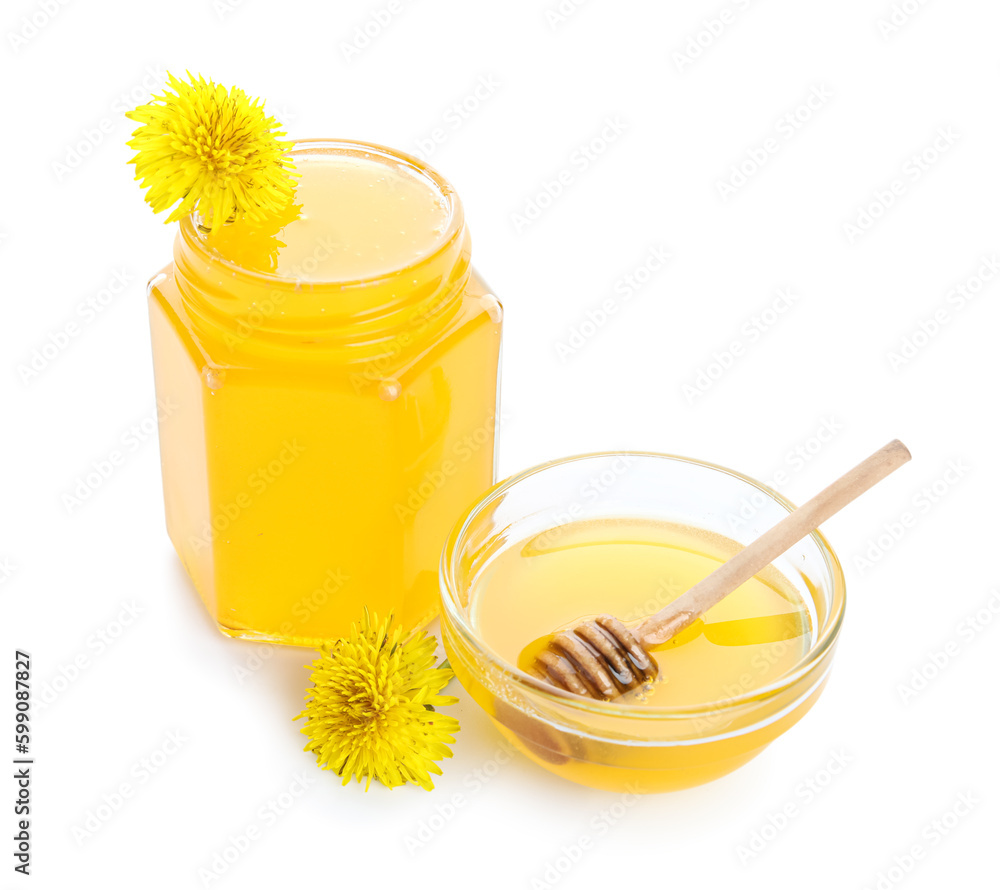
[[375, 243], [360, 212]]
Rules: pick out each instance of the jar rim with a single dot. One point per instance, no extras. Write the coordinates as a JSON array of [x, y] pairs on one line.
[[821, 645], [456, 222], [361, 319]]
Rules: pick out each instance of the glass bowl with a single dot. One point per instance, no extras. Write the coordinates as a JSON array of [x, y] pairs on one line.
[[614, 745]]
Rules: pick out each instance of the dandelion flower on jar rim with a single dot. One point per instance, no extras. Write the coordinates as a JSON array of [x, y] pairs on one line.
[[214, 151], [370, 713]]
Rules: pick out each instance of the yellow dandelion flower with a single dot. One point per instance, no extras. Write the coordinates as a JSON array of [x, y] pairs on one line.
[[371, 712], [214, 151]]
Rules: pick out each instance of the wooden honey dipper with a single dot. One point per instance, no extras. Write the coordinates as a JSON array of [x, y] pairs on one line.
[[602, 658]]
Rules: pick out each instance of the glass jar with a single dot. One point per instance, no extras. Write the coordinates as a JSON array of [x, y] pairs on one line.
[[333, 391], [618, 745]]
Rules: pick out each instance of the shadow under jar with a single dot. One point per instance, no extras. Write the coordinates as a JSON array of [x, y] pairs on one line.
[[625, 534], [327, 387]]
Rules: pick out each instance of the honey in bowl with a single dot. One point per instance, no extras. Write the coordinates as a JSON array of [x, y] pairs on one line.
[[538, 554], [632, 568]]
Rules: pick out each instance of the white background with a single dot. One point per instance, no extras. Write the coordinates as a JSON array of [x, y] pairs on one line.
[[71, 218]]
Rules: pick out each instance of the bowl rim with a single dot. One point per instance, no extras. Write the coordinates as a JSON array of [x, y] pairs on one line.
[[453, 613]]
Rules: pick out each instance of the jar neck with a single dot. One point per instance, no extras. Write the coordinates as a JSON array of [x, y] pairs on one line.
[[251, 312]]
